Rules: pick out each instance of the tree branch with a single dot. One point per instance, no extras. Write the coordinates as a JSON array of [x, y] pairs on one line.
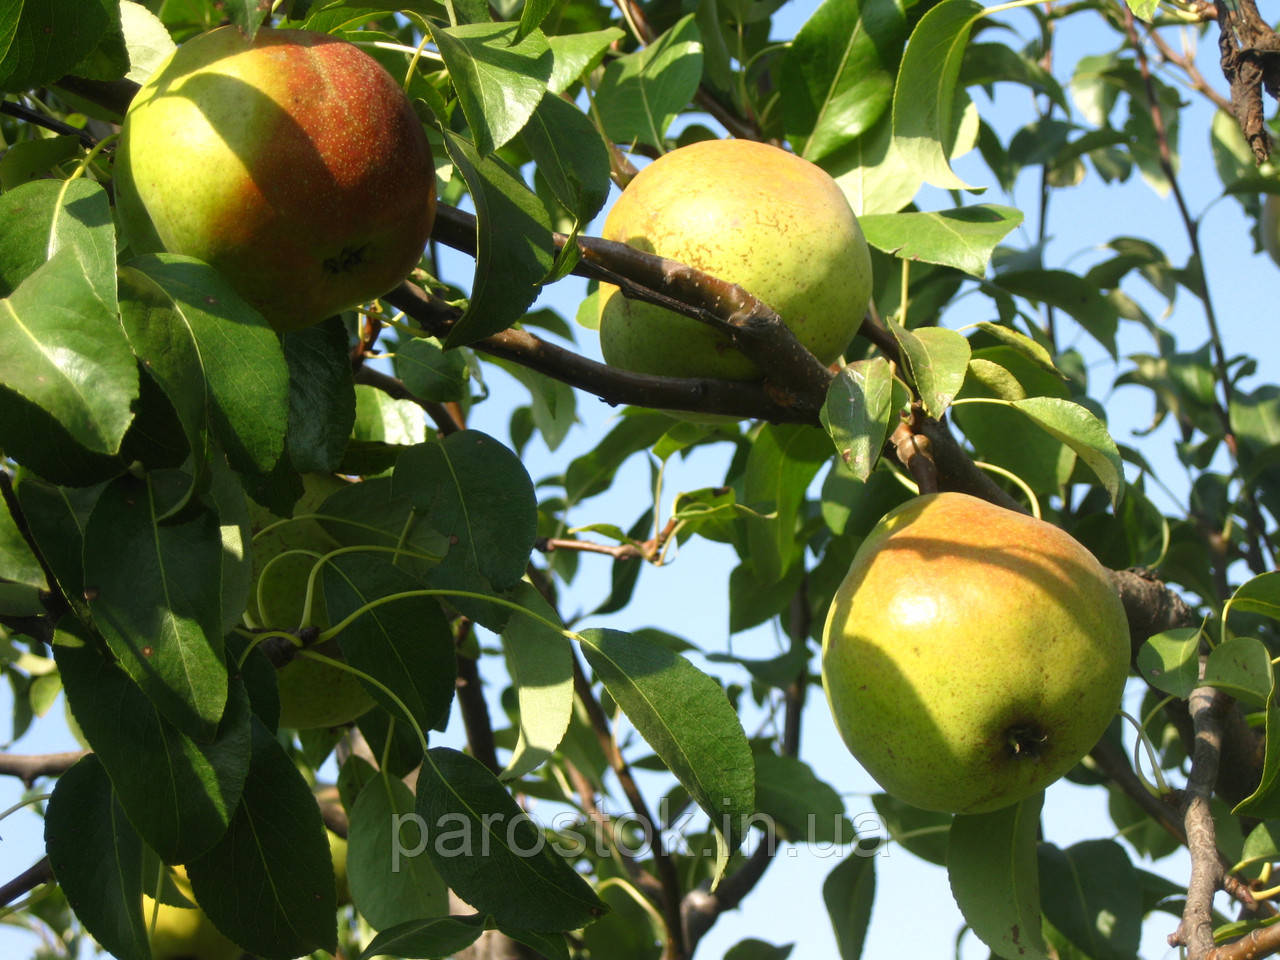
[[40, 872], [30, 767], [1195, 932]]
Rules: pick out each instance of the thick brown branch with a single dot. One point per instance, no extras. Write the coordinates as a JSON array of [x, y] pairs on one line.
[[1195, 932], [475, 712], [30, 767], [1260, 943]]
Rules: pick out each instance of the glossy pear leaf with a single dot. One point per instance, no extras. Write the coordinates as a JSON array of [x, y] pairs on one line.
[[1067, 292], [570, 156], [922, 833], [992, 866], [492, 854], [322, 399], [1170, 661], [1241, 666], [963, 238], [17, 563], [477, 493], [1092, 896], [217, 360], [369, 513], [56, 517], [436, 937], [925, 93], [56, 215], [1020, 342], [62, 348], [837, 74], [514, 247], [553, 406], [180, 794], [552, 946], [593, 472], [938, 359], [268, 882], [1264, 802], [802, 807], [576, 53], [431, 372], [994, 380], [641, 93], [849, 892], [32, 160], [782, 461], [392, 880], [161, 612], [684, 715], [873, 175], [96, 858], [1262, 844], [540, 662], [499, 80], [405, 644], [1084, 433], [857, 412], [49, 39], [1260, 595]]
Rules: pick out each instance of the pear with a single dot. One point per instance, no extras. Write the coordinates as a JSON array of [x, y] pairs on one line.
[[752, 214], [185, 933], [292, 163], [972, 655]]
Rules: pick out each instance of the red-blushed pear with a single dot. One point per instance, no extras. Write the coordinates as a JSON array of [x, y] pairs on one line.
[[294, 164], [751, 214], [972, 654]]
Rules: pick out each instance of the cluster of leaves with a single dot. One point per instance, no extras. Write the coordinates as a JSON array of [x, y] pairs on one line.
[[155, 431]]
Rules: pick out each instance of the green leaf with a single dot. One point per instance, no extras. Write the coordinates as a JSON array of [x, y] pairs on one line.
[[857, 412], [991, 862], [1241, 666], [540, 662], [804, 808], [576, 53], [514, 248], [641, 93], [476, 492], [499, 81], [1264, 802], [406, 643], [1143, 9], [837, 74], [1092, 896], [848, 892], [938, 359], [1029, 348], [387, 887], [684, 715], [782, 461], [322, 399], [49, 39], [432, 938], [27, 160], [1262, 844], [925, 93], [755, 949], [963, 238], [1084, 433], [491, 853], [593, 472], [570, 156], [873, 173], [61, 344], [554, 403], [922, 833], [268, 882], [218, 362], [180, 794], [161, 612], [1260, 595], [97, 858], [1068, 292], [431, 372], [1170, 661]]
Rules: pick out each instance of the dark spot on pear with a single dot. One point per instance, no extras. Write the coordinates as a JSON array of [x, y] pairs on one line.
[[1027, 741]]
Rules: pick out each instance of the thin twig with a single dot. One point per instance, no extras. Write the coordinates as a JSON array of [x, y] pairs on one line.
[[1187, 65], [40, 872]]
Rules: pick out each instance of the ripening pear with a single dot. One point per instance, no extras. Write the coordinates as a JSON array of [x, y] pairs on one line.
[[972, 655], [752, 214]]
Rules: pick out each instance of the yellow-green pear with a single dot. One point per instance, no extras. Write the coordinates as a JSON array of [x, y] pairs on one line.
[[752, 214], [972, 654], [183, 933], [293, 163]]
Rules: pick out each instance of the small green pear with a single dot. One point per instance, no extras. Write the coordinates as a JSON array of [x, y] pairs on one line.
[[755, 215], [185, 933], [972, 655]]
